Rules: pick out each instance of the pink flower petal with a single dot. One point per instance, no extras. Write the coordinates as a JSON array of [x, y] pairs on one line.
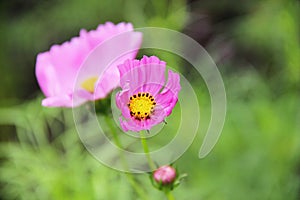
[[165, 174], [72, 100], [130, 125], [122, 98], [46, 76], [61, 101], [122, 101], [57, 69], [58, 101], [146, 75], [104, 32], [169, 96], [111, 78]]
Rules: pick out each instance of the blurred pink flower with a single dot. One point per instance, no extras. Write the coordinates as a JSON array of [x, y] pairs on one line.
[[57, 69], [140, 101], [165, 175]]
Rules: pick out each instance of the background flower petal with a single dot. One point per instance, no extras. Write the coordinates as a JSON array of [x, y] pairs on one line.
[[57, 69]]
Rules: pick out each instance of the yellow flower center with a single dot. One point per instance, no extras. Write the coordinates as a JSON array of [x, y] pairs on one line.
[[89, 84], [141, 105]]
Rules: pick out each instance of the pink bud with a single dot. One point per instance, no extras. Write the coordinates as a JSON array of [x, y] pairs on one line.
[[165, 174]]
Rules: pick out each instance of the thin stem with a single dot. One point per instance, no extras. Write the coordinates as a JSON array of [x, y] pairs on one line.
[[129, 176], [113, 132], [146, 151], [169, 195]]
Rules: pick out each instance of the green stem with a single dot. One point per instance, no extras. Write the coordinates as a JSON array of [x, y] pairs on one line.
[[146, 151], [169, 195], [129, 176]]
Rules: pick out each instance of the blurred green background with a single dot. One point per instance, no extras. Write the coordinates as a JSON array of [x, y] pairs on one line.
[[256, 45]]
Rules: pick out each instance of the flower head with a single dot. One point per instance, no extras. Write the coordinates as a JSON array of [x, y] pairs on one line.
[[142, 100], [57, 69], [166, 178], [165, 175]]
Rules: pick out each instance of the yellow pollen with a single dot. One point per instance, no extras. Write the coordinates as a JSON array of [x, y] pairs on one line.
[[141, 105], [89, 84]]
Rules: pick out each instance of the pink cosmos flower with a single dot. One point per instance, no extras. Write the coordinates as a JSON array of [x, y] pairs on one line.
[[57, 69], [165, 175], [143, 101]]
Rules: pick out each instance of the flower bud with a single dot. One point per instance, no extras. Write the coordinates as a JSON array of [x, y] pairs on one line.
[[164, 175]]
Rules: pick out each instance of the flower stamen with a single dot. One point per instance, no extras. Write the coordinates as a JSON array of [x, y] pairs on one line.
[[89, 84], [141, 105]]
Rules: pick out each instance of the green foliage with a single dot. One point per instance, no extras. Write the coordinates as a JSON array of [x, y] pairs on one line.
[[257, 156], [272, 31], [49, 162], [50, 174]]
